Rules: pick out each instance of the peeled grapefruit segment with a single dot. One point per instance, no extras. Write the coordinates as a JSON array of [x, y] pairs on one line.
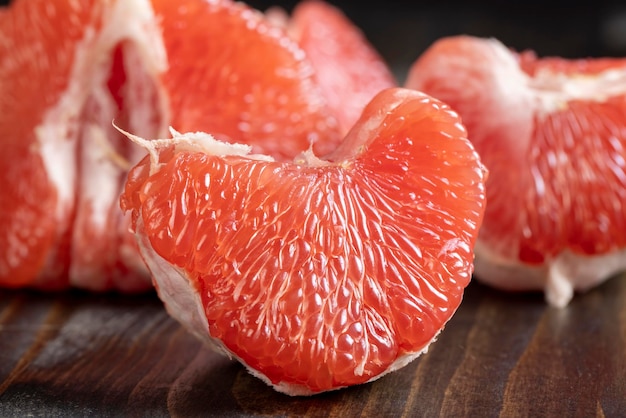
[[63, 64], [317, 273], [552, 133]]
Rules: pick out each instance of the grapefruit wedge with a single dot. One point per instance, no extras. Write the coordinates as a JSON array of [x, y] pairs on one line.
[[315, 273], [552, 133]]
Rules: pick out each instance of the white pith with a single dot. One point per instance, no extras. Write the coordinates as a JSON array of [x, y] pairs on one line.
[[96, 187], [57, 133], [133, 22], [559, 278], [553, 90]]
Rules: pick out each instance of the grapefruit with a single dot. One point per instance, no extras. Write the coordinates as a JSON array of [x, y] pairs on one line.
[[552, 132], [63, 66], [215, 66], [347, 67], [315, 273]]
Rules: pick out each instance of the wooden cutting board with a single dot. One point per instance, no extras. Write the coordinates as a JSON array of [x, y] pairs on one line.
[[78, 354]]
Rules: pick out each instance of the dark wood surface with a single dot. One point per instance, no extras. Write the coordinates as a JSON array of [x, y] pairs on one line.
[[77, 354]]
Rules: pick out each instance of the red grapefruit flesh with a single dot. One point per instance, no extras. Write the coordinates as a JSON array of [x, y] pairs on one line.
[[552, 133], [59, 214], [315, 274], [347, 67], [237, 75]]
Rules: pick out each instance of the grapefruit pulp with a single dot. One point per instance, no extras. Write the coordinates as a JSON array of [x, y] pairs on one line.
[[347, 67]]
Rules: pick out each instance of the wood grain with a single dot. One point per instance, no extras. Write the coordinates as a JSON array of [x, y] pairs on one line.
[[502, 355]]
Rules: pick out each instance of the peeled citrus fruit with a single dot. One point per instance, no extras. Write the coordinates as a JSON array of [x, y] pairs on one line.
[[215, 66], [552, 133], [63, 66], [316, 273]]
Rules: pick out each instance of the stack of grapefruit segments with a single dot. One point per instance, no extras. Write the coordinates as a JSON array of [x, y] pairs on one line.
[[315, 273], [552, 133], [71, 68]]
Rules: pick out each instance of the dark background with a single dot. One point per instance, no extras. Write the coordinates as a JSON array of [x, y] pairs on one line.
[[401, 30]]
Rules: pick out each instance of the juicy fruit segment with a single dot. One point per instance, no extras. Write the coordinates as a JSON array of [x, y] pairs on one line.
[[551, 132], [316, 274], [235, 74], [60, 185], [347, 67]]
